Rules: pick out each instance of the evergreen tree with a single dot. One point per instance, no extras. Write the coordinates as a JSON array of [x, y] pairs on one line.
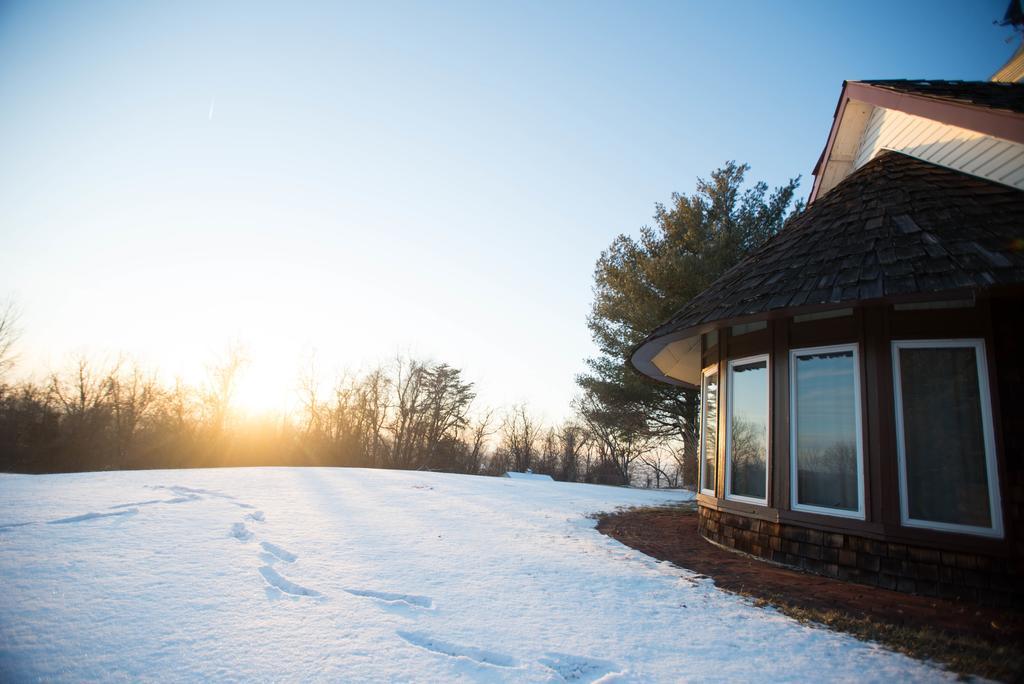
[[640, 283]]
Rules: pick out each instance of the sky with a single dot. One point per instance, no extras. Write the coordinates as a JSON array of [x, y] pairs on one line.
[[350, 182]]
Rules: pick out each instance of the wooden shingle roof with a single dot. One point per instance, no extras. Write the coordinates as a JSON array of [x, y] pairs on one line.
[[987, 94], [896, 227]]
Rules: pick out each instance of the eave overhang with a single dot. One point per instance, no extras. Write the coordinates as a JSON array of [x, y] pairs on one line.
[[674, 358], [685, 348]]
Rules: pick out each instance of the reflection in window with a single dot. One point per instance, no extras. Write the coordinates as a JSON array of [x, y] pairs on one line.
[[945, 441], [748, 428], [826, 429], [709, 429]]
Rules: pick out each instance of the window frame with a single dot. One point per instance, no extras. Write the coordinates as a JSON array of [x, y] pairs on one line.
[[988, 433], [794, 500], [713, 368], [729, 496]]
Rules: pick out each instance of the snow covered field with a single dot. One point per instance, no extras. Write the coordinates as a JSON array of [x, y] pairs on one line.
[[368, 575]]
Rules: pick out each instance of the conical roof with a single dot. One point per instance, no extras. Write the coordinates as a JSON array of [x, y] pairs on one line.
[[896, 228]]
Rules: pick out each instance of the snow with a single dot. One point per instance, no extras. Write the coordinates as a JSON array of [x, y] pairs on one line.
[[370, 575], [528, 475]]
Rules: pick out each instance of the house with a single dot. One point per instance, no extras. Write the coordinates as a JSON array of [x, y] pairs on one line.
[[862, 373]]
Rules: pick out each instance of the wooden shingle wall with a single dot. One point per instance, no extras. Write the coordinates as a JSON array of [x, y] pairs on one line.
[[914, 569]]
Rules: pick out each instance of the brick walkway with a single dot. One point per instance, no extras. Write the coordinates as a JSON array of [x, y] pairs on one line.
[[671, 534]]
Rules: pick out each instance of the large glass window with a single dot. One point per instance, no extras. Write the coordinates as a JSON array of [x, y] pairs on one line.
[[708, 429], [747, 436], [944, 433], [826, 448]]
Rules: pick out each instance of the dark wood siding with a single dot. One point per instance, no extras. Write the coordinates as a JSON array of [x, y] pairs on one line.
[[1000, 322]]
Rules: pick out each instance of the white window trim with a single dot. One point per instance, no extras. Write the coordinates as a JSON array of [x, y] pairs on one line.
[[793, 420], [713, 368], [995, 504], [728, 430]]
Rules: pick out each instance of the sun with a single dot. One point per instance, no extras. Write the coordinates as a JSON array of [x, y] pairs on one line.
[[265, 386]]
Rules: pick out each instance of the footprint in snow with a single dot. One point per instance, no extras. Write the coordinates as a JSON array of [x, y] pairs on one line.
[[279, 553], [394, 599], [183, 499], [570, 668], [92, 516], [185, 491], [476, 655], [284, 585], [240, 532], [151, 502], [11, 526], [257, 516]]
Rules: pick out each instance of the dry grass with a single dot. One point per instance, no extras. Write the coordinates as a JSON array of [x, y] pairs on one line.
[[964, 654]]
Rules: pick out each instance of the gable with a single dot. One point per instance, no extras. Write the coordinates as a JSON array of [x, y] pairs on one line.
[[971, 127]]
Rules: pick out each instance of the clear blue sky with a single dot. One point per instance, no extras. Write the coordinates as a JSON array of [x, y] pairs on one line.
[[430, 178]]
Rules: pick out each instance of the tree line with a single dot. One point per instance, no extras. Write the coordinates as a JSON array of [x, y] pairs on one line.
[[407, 414]]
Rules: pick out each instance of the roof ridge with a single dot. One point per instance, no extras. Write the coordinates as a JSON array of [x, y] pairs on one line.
[[993, 95], [935, 80]]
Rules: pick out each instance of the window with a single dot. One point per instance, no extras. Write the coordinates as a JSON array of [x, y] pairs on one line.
[[944, 435], [827, 455], [708, 429], [746, 473]]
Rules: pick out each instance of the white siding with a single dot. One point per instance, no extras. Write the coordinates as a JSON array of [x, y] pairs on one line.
[[957, 148]]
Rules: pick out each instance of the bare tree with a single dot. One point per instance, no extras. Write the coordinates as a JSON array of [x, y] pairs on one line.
[[406, 426], [519, 432], [81, 395], [132, 394], [9, 335], [663, 464], [81, 391], [221, 386], [620, 440], [374, 405], [29, 429], [480, 432], [309, 396], [180, 406]]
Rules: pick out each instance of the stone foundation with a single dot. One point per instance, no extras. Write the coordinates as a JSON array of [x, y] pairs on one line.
[[990, 580]]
